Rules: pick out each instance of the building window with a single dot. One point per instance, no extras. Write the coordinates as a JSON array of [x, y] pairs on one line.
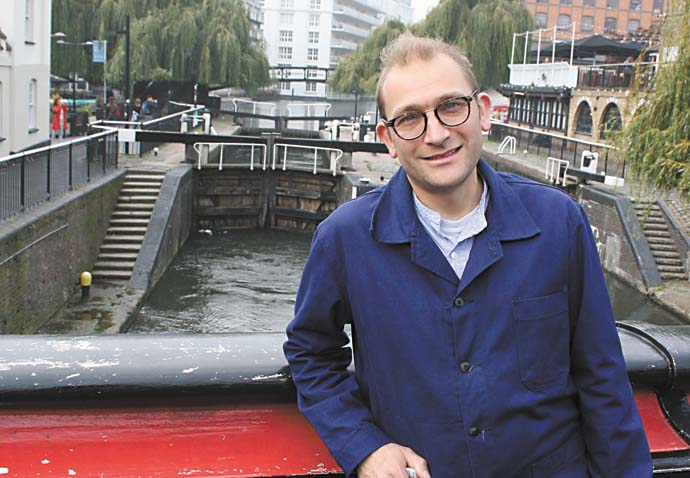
[[313, 20], [313, 37], [613, 4], [33, 89], [566, 2], [563, 20], [284, 86], [285, 36], [589, 3], [542, 1], [610, 25], [587, 24], [583, 123], [311, 87], [611, 121], [633, 25], [658, 5], [287, 3], [29, 20], [312, 73], [285, 53], [635, 5], [312, 54], [286, 18], [315, 4], [541, 19]]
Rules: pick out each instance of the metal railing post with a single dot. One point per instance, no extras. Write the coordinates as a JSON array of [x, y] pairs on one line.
[[71, 164], [48, 174], [22, 186], [88, 162]]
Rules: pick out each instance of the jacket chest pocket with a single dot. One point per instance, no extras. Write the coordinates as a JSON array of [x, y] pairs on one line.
[[543, 335]]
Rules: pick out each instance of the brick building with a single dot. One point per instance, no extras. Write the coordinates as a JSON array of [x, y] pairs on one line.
[[622, 19]]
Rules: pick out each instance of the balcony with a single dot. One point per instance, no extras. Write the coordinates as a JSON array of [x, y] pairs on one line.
[[620, 76], [338, 44], [341, 10], [350, 30], [544, 74]]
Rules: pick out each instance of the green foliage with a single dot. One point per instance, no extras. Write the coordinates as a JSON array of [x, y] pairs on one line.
[[186, 40], [482, 29], [656, 142], [360, 71]]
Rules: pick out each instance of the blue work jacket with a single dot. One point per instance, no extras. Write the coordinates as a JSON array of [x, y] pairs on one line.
[[514, 370]]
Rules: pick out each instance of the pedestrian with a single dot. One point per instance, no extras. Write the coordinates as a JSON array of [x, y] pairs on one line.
[[483, 338], [136, 110], [149, 107], [112, 111], [59, 123]]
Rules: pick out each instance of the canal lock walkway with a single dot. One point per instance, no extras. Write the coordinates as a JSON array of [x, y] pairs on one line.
[[113, 305]]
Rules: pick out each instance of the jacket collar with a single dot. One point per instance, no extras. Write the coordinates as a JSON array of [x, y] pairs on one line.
[[394, 220]]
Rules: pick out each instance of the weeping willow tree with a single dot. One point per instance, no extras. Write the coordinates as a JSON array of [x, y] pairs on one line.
[[657, 139], [187, 40], [483, 30]]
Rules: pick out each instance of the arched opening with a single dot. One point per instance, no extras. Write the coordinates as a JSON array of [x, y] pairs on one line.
[[610, 121], [583, 121]]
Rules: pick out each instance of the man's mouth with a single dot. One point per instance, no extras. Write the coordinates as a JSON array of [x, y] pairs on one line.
[[445, 154]]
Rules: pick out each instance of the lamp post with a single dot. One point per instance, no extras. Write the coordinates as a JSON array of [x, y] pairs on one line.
[[60, 36], [125, 32]]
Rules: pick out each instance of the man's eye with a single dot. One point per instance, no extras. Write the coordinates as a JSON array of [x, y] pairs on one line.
[[453, 104], [407, 118]]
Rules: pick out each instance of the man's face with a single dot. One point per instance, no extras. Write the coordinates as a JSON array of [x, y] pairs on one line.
[[441, 160]]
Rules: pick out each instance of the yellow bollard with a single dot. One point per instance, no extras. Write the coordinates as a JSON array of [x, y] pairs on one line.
[[85, 282]]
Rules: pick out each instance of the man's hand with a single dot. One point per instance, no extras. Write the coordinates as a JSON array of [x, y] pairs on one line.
[[390, 461]]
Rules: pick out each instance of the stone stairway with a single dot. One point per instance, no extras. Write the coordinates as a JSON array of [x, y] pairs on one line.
[[128, 225], [656, 230]]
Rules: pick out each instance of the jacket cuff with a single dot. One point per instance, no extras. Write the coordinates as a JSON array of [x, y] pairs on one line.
[[363, 443]]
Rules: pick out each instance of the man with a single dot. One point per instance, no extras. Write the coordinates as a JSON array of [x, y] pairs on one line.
[[483, 336]]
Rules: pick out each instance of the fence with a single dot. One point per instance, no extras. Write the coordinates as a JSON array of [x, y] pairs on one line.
[[611, 160], [35, 176]]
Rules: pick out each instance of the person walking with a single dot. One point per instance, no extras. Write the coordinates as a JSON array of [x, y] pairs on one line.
[[482, 333], [59, 122]]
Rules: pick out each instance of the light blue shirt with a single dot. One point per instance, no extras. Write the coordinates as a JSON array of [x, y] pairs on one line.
[[454, 238]]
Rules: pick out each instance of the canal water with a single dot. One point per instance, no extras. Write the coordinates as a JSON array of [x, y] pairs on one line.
[[246, 281]]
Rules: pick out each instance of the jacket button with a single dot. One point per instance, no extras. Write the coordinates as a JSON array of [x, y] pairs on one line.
[[458, 302], [465, 367], [473, 431]]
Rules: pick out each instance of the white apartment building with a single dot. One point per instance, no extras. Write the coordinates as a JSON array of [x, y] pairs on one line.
[[318, 33], [24, 74]]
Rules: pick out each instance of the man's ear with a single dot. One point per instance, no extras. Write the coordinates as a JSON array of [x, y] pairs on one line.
[[484, 103], [384, 133]]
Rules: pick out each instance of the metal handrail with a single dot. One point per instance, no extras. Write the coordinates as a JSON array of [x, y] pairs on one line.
[[197, 148], [61, 145], [334, 161], [254, 104], [308, 105], [555, 164], [508, 141], [553, 135]]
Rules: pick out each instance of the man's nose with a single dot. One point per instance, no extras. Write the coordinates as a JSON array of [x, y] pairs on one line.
[[436, 132]]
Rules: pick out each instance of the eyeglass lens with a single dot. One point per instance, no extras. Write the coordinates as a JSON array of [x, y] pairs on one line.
[[452, 112]]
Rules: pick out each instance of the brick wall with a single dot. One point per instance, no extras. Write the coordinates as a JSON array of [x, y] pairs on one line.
[[47, 248]]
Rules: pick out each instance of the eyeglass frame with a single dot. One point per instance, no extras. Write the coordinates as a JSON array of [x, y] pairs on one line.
[[468, 98]]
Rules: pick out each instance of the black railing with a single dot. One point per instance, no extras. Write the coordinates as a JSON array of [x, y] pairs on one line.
[[35, 176], [616, 76], [611, 161]]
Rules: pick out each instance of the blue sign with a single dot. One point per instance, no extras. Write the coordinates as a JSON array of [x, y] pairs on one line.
[[100, 48]]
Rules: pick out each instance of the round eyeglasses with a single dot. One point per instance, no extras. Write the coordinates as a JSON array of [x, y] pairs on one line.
[[451, 112]]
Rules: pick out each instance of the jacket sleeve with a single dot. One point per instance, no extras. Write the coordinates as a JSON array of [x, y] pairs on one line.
[[611, 425], [318, 351]]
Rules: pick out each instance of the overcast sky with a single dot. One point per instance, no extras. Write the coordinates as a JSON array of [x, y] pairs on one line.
[[421, 7]]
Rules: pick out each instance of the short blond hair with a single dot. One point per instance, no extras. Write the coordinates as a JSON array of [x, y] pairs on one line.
[[408, 48]]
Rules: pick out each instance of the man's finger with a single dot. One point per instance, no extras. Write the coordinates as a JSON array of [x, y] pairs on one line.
[[416, 464]]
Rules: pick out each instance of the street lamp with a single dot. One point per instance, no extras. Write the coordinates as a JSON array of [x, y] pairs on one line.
[[125, 32]]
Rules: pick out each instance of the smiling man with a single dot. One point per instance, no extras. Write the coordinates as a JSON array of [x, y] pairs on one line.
[[482, 333]]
